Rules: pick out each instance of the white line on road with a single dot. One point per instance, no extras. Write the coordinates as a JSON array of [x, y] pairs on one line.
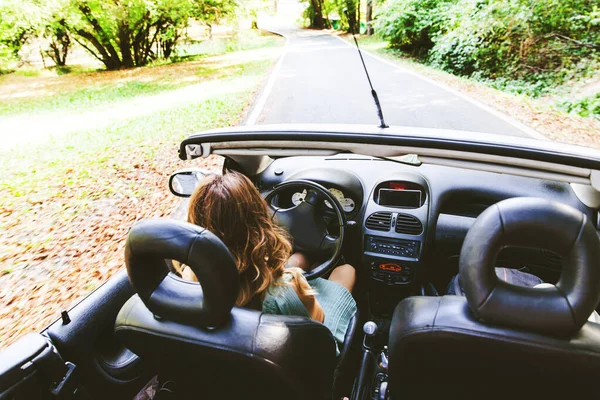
[[260, 104], [522, 127]]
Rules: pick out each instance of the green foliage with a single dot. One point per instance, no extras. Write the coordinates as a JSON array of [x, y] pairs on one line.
[[55, 31], [19, 22], [516, 38], [6, 58], [128, 34], [212, 12], [586, 107], [120, 34], [345, 11], [523, 46], [413, 25]]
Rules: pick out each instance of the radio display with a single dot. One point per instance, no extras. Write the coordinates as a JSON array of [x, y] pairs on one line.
[[390, 267], [400, 198]]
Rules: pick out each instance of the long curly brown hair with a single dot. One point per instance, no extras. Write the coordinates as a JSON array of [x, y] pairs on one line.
[[231, 207]]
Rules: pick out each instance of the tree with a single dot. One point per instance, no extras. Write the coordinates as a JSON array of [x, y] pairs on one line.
[[59, 42], [212, 12], [126, 35], [314, 13], [19, 23], [369, 17], [351, 12], [54, 14]]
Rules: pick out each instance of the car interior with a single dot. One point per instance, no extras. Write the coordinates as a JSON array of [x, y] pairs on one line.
[[408, 222]]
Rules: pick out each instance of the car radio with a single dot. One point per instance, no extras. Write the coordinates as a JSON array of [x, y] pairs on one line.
[[392, 272], [392, 247]]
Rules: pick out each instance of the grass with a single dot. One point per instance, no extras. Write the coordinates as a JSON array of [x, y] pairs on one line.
[[83, 91], [86, 156], [67, 205], [84, 98], [248, 41]]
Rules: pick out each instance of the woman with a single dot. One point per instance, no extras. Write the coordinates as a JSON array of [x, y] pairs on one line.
[[271, 279]]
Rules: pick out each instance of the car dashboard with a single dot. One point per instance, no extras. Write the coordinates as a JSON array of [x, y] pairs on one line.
[[409, 221]]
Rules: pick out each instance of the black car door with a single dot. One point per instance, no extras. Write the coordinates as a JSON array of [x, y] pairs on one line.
[[78, 353]]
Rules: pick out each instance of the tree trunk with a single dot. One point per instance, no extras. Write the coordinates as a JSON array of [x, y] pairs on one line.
[[369, 17], [317, 20], [358, 16], [351, 15], [43, 58], [125, 46], [107, 59], [326, 22]]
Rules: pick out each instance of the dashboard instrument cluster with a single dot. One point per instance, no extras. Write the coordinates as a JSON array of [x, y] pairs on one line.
[[347, 203]]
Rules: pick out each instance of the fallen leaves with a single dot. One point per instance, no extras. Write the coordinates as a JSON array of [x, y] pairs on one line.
[[65, 249], [66, 206]]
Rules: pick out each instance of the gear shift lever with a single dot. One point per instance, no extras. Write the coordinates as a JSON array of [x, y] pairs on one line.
[[370, 329]]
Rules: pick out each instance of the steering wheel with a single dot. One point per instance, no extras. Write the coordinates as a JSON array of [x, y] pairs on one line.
[[306, 224]]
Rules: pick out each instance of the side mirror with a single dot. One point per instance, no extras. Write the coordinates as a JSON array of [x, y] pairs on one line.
[[183, 183]]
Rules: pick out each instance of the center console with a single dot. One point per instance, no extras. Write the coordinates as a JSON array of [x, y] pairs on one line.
[[394, 231], [391, 261]]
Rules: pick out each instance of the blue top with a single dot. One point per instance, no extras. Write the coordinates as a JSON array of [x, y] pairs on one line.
[[338, 304]]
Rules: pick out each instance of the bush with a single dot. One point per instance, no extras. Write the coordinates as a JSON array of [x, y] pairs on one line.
[[6, 59], [524, 45], [517, 38], [413, 25], [586, 107], [19, 21]]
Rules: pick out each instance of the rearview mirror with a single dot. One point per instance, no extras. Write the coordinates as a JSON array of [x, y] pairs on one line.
[[183, 183]]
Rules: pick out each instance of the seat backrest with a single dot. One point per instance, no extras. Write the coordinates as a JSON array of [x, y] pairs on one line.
[[209, 348], [439, 349], [504, 340]]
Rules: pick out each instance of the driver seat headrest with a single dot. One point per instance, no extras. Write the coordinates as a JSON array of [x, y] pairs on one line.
[[192, 333], [151, 242]]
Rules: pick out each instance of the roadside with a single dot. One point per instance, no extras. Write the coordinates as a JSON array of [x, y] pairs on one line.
[[35, 108], [552, 123], [66, 205]]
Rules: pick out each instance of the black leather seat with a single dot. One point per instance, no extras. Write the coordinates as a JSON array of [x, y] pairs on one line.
[[505, 341], [194, 335]]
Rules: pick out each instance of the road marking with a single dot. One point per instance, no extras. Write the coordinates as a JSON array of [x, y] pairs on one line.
[[522, 127], [262, 100]]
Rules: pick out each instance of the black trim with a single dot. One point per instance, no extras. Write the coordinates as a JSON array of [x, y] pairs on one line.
[[442, 143]]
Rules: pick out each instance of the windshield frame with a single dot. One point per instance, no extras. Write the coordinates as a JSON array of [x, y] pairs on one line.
[[325, 137]]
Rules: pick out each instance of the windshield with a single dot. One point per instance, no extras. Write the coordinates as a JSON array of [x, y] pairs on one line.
[[95, 97]]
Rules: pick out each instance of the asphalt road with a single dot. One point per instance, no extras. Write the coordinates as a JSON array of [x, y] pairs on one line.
[[321, 80]]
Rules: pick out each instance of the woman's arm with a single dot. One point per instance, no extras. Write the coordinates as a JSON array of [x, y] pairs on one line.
[[311, 303]]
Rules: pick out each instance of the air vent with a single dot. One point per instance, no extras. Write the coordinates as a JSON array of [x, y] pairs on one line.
[[408, 225], [379, 221]]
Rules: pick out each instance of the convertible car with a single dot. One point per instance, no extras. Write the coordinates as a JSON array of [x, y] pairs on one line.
[[410, 209]]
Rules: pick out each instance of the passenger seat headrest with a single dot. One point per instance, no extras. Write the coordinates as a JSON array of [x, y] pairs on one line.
[[532, 222], [208, 304]]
